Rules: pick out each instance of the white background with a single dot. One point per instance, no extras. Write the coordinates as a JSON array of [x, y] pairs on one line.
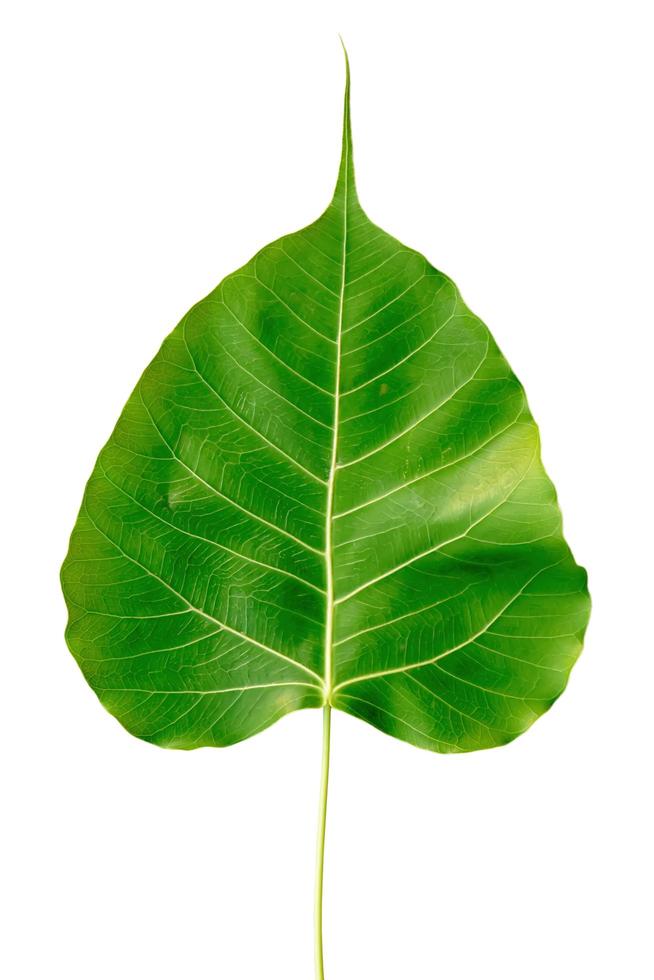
[[150, 149]]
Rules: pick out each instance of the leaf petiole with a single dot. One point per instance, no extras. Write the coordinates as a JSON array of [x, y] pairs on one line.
[[320, 845]]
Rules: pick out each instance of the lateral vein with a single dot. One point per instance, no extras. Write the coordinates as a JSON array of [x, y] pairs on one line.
[[197, 610]]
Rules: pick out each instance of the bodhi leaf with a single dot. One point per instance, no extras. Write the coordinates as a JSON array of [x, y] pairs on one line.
[[326, 488]]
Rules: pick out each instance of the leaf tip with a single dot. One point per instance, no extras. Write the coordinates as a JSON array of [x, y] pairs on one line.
[[345, 183], [347, 60]]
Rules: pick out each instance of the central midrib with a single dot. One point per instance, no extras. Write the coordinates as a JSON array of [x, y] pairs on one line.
[[329, 516]]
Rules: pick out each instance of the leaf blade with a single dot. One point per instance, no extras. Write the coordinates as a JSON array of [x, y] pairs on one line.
[[326, 486]]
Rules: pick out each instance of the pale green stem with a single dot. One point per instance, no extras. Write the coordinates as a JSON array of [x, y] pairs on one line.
[[320, 848]]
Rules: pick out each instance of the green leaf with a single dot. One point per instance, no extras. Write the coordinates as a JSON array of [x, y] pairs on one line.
[[326, 488]]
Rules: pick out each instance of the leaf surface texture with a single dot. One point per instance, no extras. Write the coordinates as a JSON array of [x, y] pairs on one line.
[[327, 485]]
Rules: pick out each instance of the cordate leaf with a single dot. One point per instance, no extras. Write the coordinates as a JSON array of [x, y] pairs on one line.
[[326, 489]]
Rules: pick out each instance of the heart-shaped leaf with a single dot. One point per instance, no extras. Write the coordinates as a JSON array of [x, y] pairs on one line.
[[326, 489]]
